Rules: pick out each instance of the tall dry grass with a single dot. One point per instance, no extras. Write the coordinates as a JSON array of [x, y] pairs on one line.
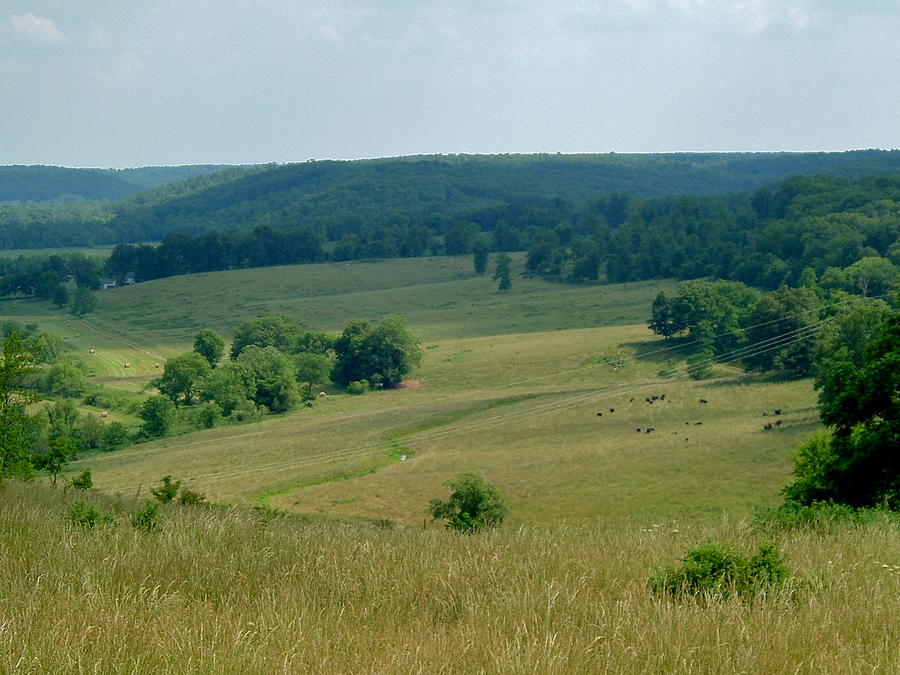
[[223, 590]]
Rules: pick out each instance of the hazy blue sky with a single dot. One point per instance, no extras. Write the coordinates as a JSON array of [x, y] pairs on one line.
[[135, 82]]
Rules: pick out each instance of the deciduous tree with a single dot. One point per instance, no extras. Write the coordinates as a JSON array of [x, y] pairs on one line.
[[472, 505]]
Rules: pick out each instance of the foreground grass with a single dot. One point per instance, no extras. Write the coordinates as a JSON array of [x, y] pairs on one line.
[[230, 591]]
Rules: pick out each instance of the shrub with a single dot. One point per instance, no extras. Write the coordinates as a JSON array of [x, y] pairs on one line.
[[818, 516], [82, 481], [473, 505], [147, 519], [208, 415], [358, 387], [166, 492], [88, 516], [711, 569], [190, 497], [99, 399]]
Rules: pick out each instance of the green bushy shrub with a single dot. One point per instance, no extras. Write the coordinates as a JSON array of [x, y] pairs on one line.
[[82, 481], [88, 516], [711, 569], [358, 387], [147, 519], [819, 516], [167, 491], [191, 497]]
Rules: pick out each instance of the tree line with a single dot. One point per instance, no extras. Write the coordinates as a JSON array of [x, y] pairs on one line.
[[273, 367]]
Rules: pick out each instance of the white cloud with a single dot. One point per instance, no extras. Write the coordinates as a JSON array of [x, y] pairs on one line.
[[37, 28]]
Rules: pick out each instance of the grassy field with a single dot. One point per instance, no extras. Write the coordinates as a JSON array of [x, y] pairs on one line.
[[319, 555], [521, 410], [440, 297], [510, 386], [236, 591]]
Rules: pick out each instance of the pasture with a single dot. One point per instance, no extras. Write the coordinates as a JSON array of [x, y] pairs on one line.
[[510, 386], [521, 410], [317, 554]]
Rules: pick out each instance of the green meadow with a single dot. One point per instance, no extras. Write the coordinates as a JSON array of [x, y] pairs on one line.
[[510, 386], [317, 554]]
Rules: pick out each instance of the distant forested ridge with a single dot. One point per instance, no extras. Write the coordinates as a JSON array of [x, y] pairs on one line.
[[806, 226], [38, 183], [361, 206], [51, 206]]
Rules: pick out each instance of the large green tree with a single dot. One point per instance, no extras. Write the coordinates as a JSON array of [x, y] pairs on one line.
[[472, 506], [273, 377], [16, 426], [181, 377], [859, 464], [311, 369], [501, 271], [231, 386], [781, 330], [267, 330], [84, 301], [159, 416], [210, 345], [381, 354]]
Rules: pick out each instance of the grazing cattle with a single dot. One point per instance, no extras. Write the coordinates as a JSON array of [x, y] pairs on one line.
[[765, 413], [631, 400], [697, 423], [703, 400], [156, 365], [777, 423], [92, 351], [127, 365], [778, 412], [612, 410], [599, 414], [687, 422], [650, 430], [767, 426], [662, 397], [638, 430], [322, 394], [104, 414]]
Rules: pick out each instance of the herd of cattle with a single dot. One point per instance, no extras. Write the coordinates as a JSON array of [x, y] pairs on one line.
[[768, 426]]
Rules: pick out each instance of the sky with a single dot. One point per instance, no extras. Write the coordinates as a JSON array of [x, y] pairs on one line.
[[113, 83]]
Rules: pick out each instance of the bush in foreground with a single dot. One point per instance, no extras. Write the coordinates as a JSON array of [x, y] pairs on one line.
[[473, 505], [712, 569], [88, 516]]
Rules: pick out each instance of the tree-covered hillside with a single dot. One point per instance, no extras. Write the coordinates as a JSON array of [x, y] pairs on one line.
[[832, 230], [386, 207], [57, 183], [51, 206], [49, 183], [341, 198]]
